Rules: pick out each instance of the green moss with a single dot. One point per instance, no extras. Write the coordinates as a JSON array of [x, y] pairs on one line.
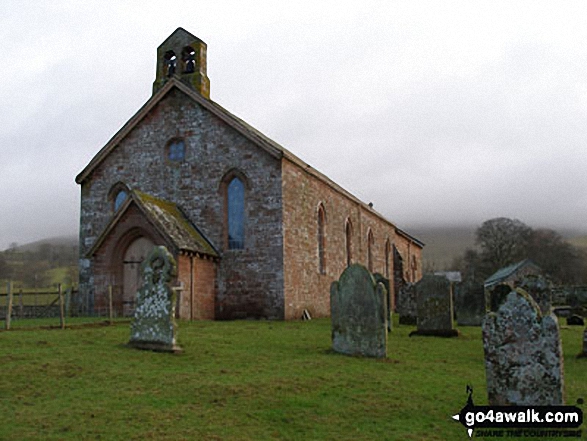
[[175, 214]]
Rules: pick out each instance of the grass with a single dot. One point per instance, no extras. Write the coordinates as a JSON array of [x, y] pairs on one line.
[[243, 380]]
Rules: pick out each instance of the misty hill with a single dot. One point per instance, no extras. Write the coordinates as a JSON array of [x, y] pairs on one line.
[[443, 244], [58, 241]]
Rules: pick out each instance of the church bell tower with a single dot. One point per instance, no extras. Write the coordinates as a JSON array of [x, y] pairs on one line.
[[183, 56]]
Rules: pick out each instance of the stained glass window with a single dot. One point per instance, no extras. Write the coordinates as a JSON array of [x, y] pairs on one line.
[[236, 214]]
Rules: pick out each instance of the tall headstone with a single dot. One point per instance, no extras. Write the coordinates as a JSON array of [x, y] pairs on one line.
[[523, 354], [154, 325], [407, 306], [379, 278], [358, 309], [469, 303], [435, 307]]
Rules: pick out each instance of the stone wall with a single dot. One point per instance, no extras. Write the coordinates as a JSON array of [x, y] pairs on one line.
[[250, 281], [411, 254], [305, 286]]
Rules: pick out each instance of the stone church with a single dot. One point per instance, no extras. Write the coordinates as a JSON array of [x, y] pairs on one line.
[[256, 232]]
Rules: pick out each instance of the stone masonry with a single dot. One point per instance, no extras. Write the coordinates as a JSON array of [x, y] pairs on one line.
[[435, 307], [359, 308], [276, 275], [154, 325], [523, 354]]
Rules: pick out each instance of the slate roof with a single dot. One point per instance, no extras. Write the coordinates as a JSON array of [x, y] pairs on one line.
[[168, 220], [452, 276], [271, 147], [505, 272]]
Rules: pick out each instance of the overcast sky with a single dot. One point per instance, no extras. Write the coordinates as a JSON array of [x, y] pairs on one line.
[[437, 112]]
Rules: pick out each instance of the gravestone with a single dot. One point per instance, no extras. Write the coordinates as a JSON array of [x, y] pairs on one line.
[[406, 305], [153, 326], [358, 309], [469, 303], [435, 307], [540, 288], [379, 278], [584, 353], [523, 354], [575, 320], [496, 295]]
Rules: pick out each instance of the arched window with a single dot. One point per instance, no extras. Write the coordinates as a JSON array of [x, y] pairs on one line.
[[170, 63], [235, 207], [117, 195], [119, 199], [321, 240], [188, 56], [176, 150], [387, 255], [349, 242], [370, 244]]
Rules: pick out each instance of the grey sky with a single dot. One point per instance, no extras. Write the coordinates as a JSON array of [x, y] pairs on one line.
[[437, 112]]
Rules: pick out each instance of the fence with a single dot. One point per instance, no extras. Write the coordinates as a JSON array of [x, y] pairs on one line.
[[19, 304]]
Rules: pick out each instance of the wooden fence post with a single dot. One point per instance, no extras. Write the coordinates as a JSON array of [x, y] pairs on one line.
[[68, 301], [61, 307], [110, 311], [20, 304], [8, 304]]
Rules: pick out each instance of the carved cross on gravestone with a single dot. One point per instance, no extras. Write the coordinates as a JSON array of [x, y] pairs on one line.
[[154, 325]]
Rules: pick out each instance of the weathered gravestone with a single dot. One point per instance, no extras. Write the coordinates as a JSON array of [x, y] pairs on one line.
[[523, 354], [358, 308], [540, 288], [575, 320], [379, 278], [435, 307], [154, 326], [407, 305], [469, 303]]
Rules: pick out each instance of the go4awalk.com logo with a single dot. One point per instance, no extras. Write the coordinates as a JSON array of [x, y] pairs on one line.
[[520, 421]]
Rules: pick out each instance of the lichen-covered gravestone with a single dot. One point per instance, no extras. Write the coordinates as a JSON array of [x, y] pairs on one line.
[[523, 354], [358, 307], [407, 305], [435, 308], [469, 303], [154, 326]]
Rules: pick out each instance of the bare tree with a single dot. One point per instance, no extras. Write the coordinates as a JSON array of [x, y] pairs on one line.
[[503, 241]]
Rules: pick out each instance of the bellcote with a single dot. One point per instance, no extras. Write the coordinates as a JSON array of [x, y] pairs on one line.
[[183, 56]]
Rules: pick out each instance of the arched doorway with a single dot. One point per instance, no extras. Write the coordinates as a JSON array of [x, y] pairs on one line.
[[134, 255]]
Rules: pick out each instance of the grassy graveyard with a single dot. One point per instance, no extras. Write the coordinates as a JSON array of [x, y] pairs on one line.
[[243, 380]]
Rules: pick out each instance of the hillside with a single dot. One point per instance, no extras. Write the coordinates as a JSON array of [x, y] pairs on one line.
[[58, 241], [443, 244]]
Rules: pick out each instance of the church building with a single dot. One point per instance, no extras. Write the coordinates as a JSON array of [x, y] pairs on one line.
[[256, 232]]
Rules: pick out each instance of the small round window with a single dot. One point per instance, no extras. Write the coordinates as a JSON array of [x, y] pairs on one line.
[[176, 150]]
